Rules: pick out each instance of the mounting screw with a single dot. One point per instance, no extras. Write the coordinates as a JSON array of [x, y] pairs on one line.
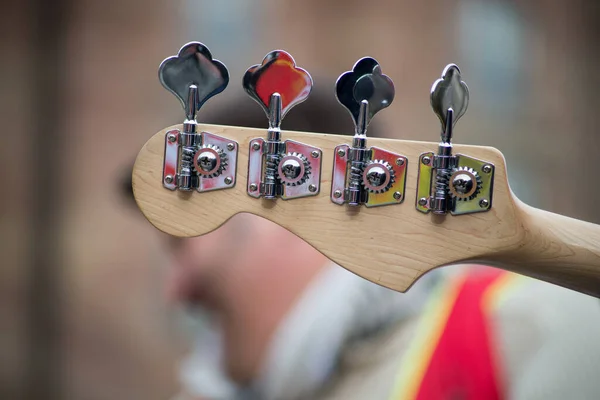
[[230, 146], [399, 162], [426, 160], [312, 188], [484, 203], [228, 180], [253, 187], [338, 193], [172, 137], [169, 179], [487, 168], [397, 195], [255, 146], [422, 201], [314, 154], [341, 153]]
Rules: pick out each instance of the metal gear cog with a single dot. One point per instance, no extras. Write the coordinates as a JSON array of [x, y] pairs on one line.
[[210, 161], [293, 169], [378, 176], [464, 183]]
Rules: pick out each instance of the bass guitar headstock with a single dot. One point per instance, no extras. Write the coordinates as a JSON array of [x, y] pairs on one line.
[[387, 210], [362, 202]]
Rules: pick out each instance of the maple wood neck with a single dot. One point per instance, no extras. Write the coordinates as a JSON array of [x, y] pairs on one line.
[[554, 248]]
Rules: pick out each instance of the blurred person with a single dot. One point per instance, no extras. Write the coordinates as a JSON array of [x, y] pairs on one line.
[[276, 320]]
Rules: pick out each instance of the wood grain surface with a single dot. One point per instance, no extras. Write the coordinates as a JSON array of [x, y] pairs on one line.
[[391, 245]]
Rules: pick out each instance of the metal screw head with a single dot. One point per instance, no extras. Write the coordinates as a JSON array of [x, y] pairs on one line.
[[484, 203], [399, 162], [207, 161], [426, 160], [376, 176], [422, 201], [228, 180], [291, 168], [463, 184], [314, 154], [230, 146], [337, 194], [487, 168], [255, 146], [397, 195], [312, 188], [341, 153], [171, 137], [253, 187], [169, 179]]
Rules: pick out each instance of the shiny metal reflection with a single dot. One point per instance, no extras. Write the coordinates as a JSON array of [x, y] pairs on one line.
[[449, 93], [193, 76], [367, 83]]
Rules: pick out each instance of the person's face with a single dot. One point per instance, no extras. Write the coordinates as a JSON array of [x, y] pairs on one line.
[[199, 267]]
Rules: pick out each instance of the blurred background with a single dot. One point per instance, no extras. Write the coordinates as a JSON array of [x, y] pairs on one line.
[[82, 314]]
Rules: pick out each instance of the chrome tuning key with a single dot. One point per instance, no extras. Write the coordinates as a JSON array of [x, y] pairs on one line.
[[277, 168], [363, 175], [457, 184], [196, 160]]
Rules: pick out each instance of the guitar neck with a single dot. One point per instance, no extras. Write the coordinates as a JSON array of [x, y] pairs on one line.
[[554, 248]]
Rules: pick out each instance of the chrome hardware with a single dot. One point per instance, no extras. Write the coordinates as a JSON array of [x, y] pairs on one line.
[[378, 176], [294, 169], [277, 168], [457, 184], [362, 175], [196, 160]]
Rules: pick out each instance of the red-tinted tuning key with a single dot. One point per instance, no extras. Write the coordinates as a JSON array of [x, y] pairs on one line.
[[280, 169], [277, 75]]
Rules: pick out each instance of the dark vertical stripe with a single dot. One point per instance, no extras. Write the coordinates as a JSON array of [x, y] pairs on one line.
[[47, 63]]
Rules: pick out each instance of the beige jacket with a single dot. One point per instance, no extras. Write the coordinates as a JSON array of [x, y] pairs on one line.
[[546, 339]]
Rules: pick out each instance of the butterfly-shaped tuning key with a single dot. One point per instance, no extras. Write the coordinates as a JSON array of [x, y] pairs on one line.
[[277, 84], [364, 92], [461, 184], [193, 76], [277, 168], [194, 160], [362, 175], [449, 99]]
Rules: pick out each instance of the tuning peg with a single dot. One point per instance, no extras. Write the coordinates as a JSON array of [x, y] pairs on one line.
[[361, 175], [277, 84], [193, 76], [449, 99], [364, 92], [280, 169], [201, 161], [449, 182]]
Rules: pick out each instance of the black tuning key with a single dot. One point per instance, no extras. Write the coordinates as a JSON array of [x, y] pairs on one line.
[[361, 174]]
